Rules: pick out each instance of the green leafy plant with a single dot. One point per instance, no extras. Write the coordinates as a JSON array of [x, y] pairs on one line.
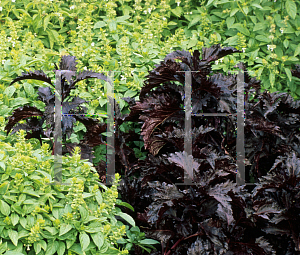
[[37, 218], [266, 31]]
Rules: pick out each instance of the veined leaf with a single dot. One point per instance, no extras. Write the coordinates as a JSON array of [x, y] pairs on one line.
[[241, 28], [9, 91], [61, 248], [194, 21], [260, 26], [230, 21], [51, 38], [209, 2], [99, 24], [256, 5], [297, 50], [4, 208], [288, 73], [291, 8], [46, 21], [84, 240], [234, 11], [98, 239], [55, 34], [28, 88], [177, 11], [64, 228], [262, 38], [126, 217]]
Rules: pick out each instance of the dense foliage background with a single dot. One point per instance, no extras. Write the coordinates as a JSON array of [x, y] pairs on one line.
[[130, 37]]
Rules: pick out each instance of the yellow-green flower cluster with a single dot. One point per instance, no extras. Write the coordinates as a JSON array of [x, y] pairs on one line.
[[75, 193], [34, 234]]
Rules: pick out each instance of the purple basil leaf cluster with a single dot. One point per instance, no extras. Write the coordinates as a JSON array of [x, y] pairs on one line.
[[34, 126], [215, 215]]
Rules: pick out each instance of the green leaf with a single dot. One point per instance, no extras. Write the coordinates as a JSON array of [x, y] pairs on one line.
[[23, 11], [130, 93], [85, 95], [37, 247], [172, 23], [126, 217], [259, 26], [253, 19], [46, 21], [84, 240], [112, 25], [293, 86], [125, 204], [52, 230], [4, 187], [51, 38], [297, 50], [64, 228], [246, 9], [61, 249], [52, 248], [23, 222], [9, 91], [291, 8], [148, 241], [292, 59], [98, 239], [31, 192], [232, 40], [13, 253], [4, 208], [209, 2], [13, 235], [2, 165], [83, 212], [234, 11], [14, 218], [278, 51], [194, 21], [16, 13], [76, 248], [99, 24], [288, 73], [4, 111], [123, 18], [230, 21], [98, 197], [177, 11], [257, 6], [102, 101], [262, 38], [55, 34], [286, 43], [298, 91], [28, 89], [241, 29], [3, 247], [7, 65]]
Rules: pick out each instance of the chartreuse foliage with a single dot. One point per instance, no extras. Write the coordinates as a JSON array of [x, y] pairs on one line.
[[103, 35], [36, 218], [266, 31]]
